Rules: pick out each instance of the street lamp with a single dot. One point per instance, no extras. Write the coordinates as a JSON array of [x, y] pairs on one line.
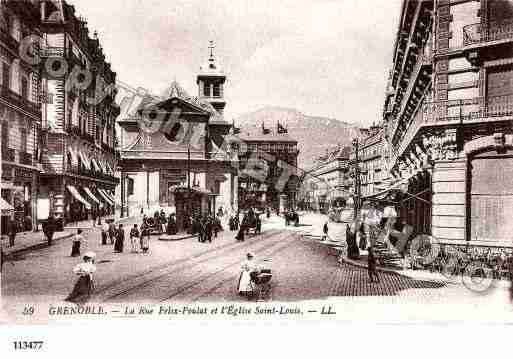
[[357, 183]]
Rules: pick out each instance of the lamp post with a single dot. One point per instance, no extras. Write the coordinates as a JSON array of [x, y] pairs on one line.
[[357, 183]]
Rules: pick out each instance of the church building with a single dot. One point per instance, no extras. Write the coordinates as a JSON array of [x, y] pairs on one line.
[[170, 149]]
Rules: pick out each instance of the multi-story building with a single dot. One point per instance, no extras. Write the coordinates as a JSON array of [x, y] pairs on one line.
[[281, 162], [20, 111], [372, 161], [329, 181], [449, 116], [78, 117]]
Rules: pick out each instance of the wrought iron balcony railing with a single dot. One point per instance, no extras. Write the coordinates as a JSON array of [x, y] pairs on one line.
[[464, 110], [495, 31], [20, 101]]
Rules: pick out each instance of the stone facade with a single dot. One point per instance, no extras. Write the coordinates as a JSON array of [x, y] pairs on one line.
[[449, 113]]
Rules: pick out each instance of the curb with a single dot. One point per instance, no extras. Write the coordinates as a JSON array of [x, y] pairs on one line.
[[345, 260], [168, 239], [361, 265], [36, 246]]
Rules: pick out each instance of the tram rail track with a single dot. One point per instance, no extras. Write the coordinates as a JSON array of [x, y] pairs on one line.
[[159, 272], [181, 289]]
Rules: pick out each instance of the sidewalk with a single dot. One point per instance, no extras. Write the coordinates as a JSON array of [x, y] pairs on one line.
[[27, 241]]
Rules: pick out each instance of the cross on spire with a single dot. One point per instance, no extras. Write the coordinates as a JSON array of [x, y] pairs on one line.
[[212, 46]]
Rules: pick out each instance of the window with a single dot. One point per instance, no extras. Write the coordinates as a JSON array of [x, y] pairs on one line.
[[6, 76], [24, 88], [5, 134], [23, 140], [217, 90], [206, 90]]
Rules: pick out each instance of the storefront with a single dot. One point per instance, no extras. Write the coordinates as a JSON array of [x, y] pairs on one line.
[[411, 197]]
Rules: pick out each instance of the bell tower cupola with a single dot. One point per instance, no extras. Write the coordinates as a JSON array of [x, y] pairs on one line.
[[211, 80]]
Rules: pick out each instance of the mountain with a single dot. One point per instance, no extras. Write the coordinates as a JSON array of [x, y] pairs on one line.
[[314, 134]]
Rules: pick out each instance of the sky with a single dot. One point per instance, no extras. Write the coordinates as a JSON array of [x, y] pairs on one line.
[[323, 58]]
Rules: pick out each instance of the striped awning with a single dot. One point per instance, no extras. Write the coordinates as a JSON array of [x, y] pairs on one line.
[[105, 197], [95, 165], [5, 207], [85, 160], [109, 169], [78, 196], [91, 195], [73, 155], [102, 166]]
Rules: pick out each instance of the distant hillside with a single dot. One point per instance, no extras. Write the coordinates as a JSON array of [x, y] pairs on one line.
[[314, 134]]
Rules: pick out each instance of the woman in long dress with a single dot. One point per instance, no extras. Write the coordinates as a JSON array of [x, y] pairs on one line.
[[249, 266], [77, 241], [84, 286], [120, 239], [145, 238]]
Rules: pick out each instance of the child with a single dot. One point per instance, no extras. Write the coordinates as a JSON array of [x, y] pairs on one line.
[[371, 265], [134, 237]]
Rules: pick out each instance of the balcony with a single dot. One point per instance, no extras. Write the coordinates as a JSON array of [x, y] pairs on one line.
[[19, 101], [8, 154], [455, 112], [26, 158], [476, 33], [52, 52]]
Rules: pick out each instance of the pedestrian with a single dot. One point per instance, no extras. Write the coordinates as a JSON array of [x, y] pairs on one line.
[[94, 215], [105, 233], [77, 243], [120, 239], [240, 234], [84, 286], [49, 228], [11, 231], [325, 231], [352, 248], [112, 232], [145, 239], [134, 238], [209, 229], [371, 265]]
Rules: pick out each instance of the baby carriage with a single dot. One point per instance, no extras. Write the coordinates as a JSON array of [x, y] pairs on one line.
[[261, 283]]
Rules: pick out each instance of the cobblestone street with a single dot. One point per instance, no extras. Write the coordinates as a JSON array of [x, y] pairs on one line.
[[304, 269]]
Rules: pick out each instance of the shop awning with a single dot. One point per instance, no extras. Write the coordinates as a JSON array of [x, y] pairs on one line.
[[111, 197], [5, 207], [91, 195], [73, 155], [401, 186], [105, 197], [96, 166], [102, 166], [85, 160], [78, 196], [109, 169]]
